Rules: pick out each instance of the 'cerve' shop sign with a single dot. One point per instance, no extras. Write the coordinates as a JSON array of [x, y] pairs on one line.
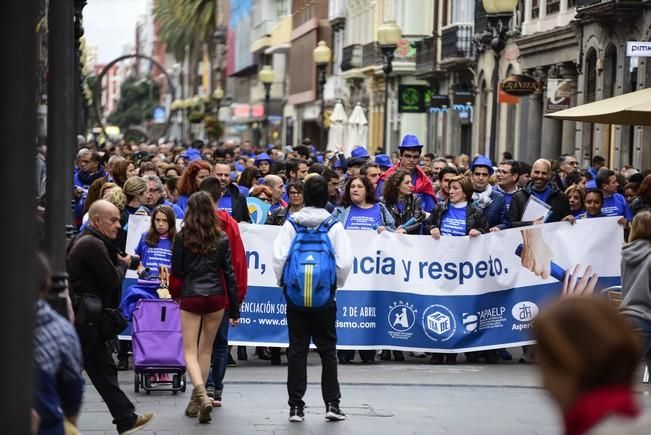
[[519, 85]]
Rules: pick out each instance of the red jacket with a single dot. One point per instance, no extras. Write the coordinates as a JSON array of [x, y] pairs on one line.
[[238, 256], [423, 184]]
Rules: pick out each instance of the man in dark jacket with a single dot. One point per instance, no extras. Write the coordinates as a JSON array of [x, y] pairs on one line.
[[544, 190], [232, 200], [96, 267]]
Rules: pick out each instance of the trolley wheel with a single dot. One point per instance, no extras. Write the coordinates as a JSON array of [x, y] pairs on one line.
[[184, 384], [174, 392], [136, 382], [148, 392], [147, 382], [176, 382]]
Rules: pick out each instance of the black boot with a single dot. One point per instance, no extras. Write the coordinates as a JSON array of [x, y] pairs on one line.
[[451, 358], [398, 355], [241, 353], [386, 355]]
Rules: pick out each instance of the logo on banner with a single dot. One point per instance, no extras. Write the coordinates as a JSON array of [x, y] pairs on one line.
[[439, 323], [488, 318], [524, 312], [402, 317], [470, 321]]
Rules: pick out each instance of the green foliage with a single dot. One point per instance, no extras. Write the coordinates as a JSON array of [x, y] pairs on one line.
[[138, 96], [185, 23]]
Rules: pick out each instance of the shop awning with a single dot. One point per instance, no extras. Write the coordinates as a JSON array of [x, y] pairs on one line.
[[633, 108]]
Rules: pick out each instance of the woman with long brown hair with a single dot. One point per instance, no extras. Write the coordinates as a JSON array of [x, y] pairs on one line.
[[190, 180], [201, 257]]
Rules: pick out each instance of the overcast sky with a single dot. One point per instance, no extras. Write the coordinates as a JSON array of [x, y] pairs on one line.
[[111, 24]]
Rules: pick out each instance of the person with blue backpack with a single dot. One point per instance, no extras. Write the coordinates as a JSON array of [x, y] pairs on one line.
[[312, 258]]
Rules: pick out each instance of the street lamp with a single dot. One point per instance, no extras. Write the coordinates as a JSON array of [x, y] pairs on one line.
[[322, 56], [266, 77], [388, 36], [498, 14]]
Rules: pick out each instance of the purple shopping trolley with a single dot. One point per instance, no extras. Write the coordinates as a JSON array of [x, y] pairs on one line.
[[158, 346]]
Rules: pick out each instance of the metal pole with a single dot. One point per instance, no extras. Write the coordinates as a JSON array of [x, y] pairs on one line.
[[267, 91], [18, 131], [387, 51], [60, 137], [493, 139], [322, 82]]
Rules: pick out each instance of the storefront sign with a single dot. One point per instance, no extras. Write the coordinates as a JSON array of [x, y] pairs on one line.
[[464, 97], [439, 101], [504, 98], [638, 49], [559, 94], [411, 98], [520, 85]]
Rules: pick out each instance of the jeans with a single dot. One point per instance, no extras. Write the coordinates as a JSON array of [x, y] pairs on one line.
[[103, 373], [320, 327], [219, 358], [644, 328]]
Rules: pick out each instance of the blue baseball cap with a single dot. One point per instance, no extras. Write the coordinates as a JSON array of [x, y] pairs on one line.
[[410, 141], [359, 152], [261, 158], [383, 161], [482, 161]]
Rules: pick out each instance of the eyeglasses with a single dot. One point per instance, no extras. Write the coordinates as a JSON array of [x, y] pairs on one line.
[[155, 190], [295, 193], [503, 172]]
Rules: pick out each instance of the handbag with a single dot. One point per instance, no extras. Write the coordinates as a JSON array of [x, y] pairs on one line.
[[112, 323], [91, 317]]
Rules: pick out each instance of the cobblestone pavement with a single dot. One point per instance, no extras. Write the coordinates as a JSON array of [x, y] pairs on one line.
[[411, 397]]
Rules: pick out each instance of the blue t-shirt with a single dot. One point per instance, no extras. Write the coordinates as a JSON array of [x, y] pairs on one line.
[[578, 213], [226, 203], [616, 205], [507, 198], [364, 218], [155, 256], [544, 195], [453, 222]]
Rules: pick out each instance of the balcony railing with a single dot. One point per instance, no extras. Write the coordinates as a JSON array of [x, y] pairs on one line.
[[371, 54], [458, 42], [605, 8], [352, 57], [425, 55]]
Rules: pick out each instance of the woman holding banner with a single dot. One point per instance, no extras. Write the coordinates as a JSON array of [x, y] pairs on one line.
[[361, 211], [405, 207], [458, 217]]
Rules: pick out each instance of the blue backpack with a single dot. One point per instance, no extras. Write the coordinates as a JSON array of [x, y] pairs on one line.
[[310, 272]]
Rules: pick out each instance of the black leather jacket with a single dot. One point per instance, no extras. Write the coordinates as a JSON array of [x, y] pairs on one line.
[[202, 274], [412, 207], [474, 219]]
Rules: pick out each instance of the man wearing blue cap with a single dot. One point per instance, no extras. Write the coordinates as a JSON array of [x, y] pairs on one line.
[[410, 149], [487, 199]]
